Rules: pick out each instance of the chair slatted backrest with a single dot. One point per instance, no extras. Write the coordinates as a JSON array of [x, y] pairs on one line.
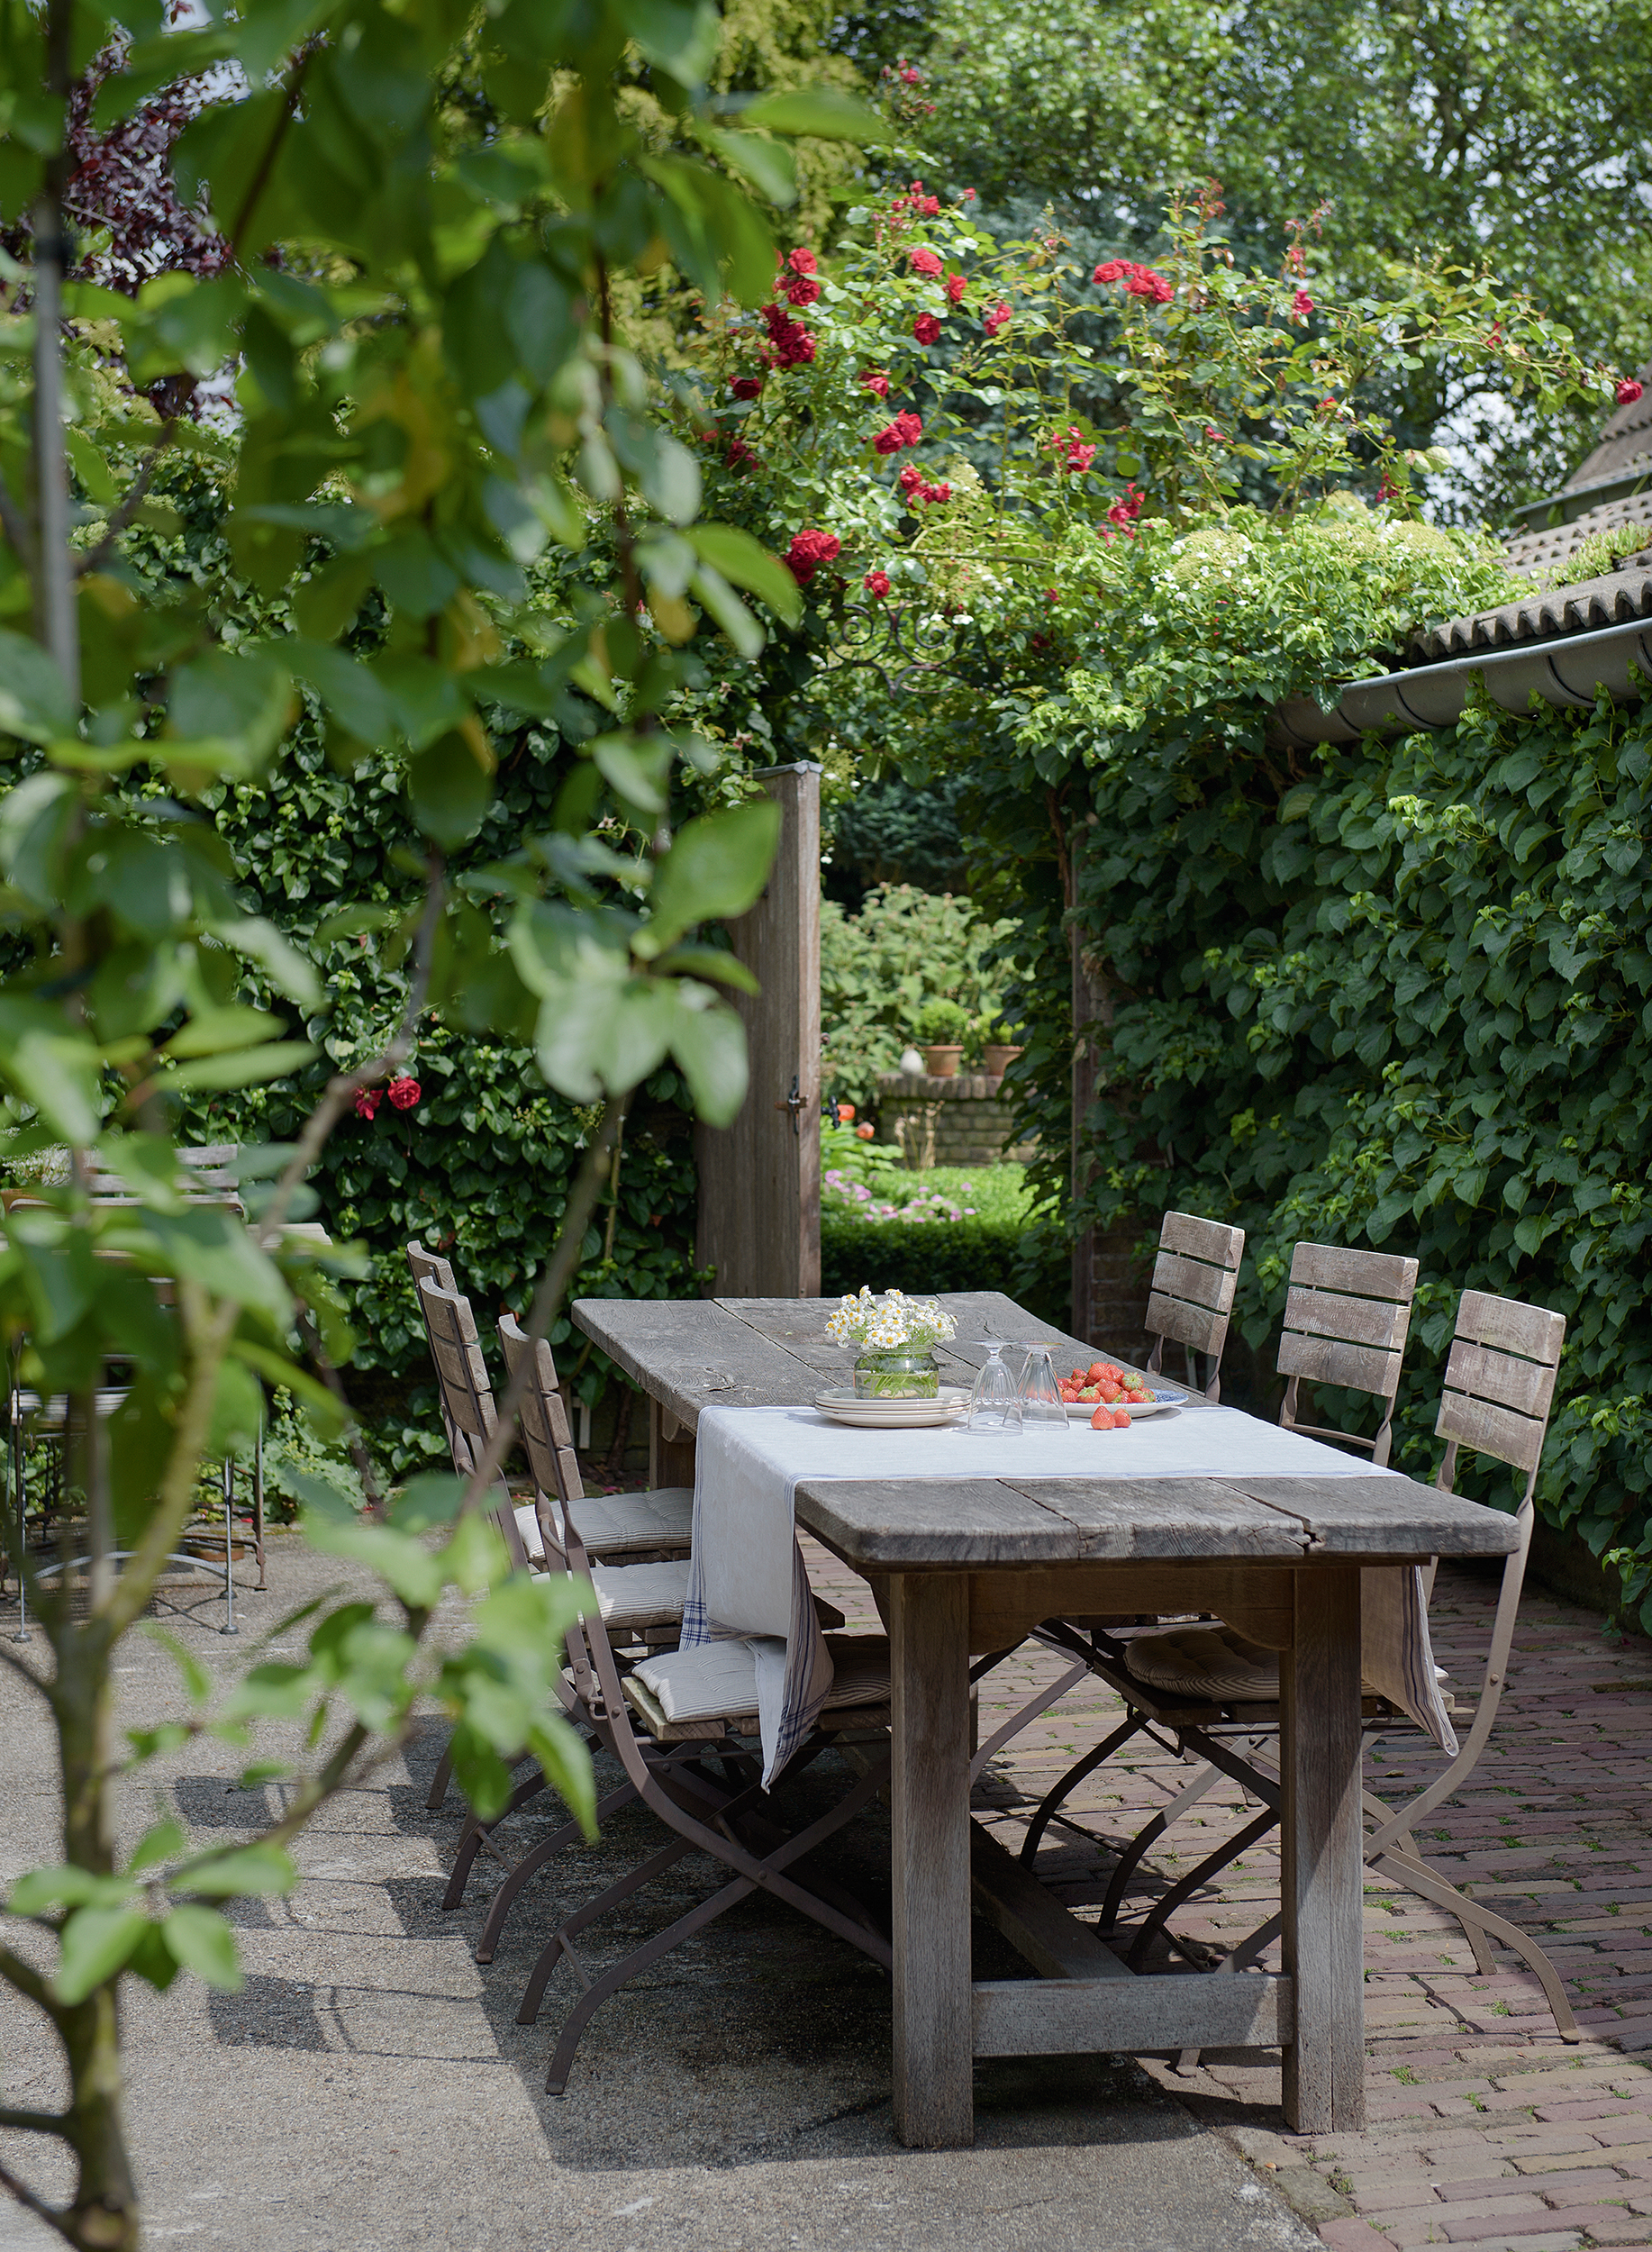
[[429, 1266], [543, 1424], [467, 1397], [1500, 1383], [1347, 1317], [1190, 1299], [212, 1166], [466, 1391]]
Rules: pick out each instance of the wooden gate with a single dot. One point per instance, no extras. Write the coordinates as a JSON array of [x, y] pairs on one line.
[[760, 1218]]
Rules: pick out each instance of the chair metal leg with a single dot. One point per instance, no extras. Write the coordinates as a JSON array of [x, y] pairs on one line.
[[440, 1780], [18, 1480], [1050, 1803], [1024, 1716], [229, 1626], [1186, 1886], [533, 1862], [258, 1497], [554, 1949], [1205, 1780], [476, 1832], [1419, 1878]]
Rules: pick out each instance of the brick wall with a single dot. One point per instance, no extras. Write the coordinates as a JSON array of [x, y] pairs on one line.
[[947, 1121]]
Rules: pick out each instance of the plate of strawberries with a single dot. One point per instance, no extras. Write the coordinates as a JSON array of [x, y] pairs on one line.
[[1110, 1398]]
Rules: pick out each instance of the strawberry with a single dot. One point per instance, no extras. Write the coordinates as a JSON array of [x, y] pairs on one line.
[[1101, 1420]]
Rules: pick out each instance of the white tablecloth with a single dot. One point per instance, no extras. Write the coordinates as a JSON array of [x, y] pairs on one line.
[[746, 1578]]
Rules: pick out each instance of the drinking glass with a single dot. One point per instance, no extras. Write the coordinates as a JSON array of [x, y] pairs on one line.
[[995, 1405], [1042, 1408]]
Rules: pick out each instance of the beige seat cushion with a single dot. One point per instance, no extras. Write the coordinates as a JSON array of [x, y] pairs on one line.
[[631, 1597], [1210, 1665], [717, 1681], [1215, 1665], [611, 1523]]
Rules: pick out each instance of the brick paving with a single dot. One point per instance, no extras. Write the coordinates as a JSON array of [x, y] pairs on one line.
[[1484, 2128]]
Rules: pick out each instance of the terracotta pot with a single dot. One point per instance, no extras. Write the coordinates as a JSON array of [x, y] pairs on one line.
[[996, 1061], [942, 1063]]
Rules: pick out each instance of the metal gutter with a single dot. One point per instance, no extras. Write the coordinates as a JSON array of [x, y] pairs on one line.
[[1567, 672]]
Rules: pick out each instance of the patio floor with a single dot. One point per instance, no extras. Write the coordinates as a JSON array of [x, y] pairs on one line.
[[371, 2087]]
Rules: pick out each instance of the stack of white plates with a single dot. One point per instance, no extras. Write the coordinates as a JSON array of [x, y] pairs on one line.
[[845, 1406]]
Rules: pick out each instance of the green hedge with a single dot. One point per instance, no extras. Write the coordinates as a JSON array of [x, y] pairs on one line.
[[990, 1249], [1400, 995]]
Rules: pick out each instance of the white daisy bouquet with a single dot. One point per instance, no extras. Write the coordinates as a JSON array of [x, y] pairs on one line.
[[891, 1323]]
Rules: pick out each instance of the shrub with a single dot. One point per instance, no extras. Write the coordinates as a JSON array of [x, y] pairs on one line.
[[924, 1236], [940, 1023], [879, 969]]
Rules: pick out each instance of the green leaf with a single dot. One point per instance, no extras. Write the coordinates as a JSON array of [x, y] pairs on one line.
[[164, 1841], [738, 556], [817, 114], [95, 1944], [449, 792], [769, 165], [66, 1887], [242, 1869], [635, 774], [682, 36], [34, 703], [729, 610], [717, 866], [212, 1030], [253, 1068], [89, 467], [708, 961], [200, 1941], [52, 1067], [710, 1044]]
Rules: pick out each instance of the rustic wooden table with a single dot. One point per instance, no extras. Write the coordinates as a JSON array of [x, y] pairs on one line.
[[962, 1567]]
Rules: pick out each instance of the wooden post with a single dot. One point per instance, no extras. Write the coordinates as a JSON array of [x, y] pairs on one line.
[[1323, 1879], [934, 2042], [759, 1216]]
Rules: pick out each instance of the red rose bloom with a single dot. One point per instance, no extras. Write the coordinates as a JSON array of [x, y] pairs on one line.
[[906, 430], [1114, 269], [877, 584], [925, 262], [955, 286], [803, 290], [1629, 391], [875, 380], [1141, 281], [405, 1093], [808, 551], [1301, 305], [926, 328], [996, 319], [789, 341], [746, 386], [1126, 510], [739, 455], [932, 495], [367, 1101], [803, 261]]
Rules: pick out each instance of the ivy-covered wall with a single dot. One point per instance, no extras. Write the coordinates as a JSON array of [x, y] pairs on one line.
[[1402, 997]]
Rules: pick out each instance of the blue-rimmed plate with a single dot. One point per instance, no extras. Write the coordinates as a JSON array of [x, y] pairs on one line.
[[1161, 1404]]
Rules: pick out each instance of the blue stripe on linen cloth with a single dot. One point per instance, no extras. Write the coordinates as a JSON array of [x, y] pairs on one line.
[[746, 1577]]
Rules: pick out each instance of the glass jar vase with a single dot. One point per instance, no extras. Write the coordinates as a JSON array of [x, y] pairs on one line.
[[904, 1373]]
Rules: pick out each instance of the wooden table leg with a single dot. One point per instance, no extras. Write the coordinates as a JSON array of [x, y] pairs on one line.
[[671, 1448], [1322, 1838], [928, 1634]]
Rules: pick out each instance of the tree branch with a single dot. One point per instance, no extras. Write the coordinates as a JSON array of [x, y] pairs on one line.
[[123, 516], [30, 1982], [21, 1665], [25, 2196], [267, 163], [15, 525], [547, 1299], [35, 2122], [345, 1086]]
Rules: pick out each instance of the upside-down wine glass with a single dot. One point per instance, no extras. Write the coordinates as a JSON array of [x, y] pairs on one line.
[[1043, 1407], [995, 1405]]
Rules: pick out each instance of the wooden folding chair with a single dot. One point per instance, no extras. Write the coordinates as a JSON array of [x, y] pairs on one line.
[[1220, 1694], [1190, 1300], [637, 1603], [700, 1705], [1346, 1314], [639, 1606]]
